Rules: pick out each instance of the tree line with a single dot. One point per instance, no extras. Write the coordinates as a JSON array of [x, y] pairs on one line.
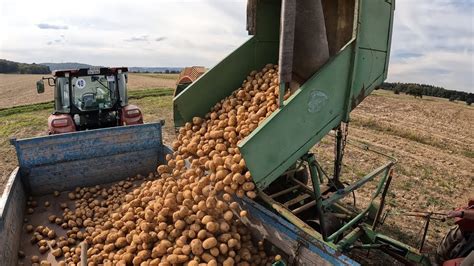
[[11, 67], [419, 90]]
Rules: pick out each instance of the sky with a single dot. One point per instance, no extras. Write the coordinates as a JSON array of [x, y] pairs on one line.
[[432, 42]]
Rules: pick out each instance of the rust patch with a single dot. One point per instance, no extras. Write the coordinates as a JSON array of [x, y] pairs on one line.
[[355, 101]]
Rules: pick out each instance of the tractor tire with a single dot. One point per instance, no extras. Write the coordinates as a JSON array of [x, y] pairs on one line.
[[451, 245]]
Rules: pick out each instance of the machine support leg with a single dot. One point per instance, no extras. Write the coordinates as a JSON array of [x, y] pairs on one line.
[[313, 169], [338, 158], [382, 200], [427, 224]]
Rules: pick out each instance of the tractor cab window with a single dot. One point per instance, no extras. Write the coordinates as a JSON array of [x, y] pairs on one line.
[[61, 95], [93, 92], [122, 86]]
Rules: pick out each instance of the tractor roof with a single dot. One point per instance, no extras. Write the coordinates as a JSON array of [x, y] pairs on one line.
[[90, 71]]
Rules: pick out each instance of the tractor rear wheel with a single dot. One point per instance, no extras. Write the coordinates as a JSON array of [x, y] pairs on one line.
[[451, 245]]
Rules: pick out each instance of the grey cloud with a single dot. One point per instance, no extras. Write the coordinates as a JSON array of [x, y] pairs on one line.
[[56, 41], [142, 38], [46, 26], [159, 39]]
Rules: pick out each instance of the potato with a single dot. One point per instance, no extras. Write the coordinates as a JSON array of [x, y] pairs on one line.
[[175, 259], [57, 252], [209, 243], [229, 262], [71, 195], [185, 210], [121, 242], [192, 263], [43, 249], [196, 247], [29, 228], [35, 259], [51, 234]]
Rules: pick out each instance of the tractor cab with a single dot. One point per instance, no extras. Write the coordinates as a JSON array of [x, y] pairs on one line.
[[90, 98]]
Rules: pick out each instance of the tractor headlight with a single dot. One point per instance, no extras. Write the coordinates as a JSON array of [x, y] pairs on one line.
[[61, 122], [133, 113]]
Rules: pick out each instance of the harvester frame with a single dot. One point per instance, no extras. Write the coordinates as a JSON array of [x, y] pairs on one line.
[[359, 228]]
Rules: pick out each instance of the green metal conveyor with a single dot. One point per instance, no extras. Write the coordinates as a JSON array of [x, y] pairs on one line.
[[358, 38]]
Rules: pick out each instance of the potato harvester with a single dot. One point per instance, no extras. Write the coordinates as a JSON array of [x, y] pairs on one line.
[[331, 55]]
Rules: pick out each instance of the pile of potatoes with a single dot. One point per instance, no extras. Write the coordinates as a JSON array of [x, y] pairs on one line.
[[185, 213]]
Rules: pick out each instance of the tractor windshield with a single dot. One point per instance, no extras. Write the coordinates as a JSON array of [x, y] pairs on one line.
[[93, 92]]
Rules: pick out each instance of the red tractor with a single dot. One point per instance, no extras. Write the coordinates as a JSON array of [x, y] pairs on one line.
[[90, 98]]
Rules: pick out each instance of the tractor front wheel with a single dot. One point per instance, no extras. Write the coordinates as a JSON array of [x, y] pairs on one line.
[[451, 245]]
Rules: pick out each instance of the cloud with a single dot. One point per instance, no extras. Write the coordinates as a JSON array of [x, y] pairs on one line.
[[46, 26], [60, 40], [142, 38], [433, 43], [433, 40]]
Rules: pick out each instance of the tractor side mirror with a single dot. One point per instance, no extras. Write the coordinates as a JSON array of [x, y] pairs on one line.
[[40, 86]]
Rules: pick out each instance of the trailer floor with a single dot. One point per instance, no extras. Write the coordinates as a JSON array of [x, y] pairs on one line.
[[40, 217]]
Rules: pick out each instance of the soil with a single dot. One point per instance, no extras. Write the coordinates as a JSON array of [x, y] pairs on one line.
[[20, 89]]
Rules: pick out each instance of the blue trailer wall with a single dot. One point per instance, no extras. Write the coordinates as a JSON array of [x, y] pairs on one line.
[[63, 162]]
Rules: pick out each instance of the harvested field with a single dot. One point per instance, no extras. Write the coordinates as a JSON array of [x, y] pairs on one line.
[[20, 89], [432, 140]]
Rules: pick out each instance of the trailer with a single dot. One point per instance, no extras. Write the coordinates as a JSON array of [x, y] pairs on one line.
[[100, 157]]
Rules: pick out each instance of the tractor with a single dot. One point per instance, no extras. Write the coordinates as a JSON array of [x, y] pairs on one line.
[[90, 98]]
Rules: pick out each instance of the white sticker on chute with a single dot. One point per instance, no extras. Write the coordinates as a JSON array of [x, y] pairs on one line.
[[80, 83], [110, 78]]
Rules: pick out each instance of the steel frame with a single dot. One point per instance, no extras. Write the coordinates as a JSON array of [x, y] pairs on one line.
[[356, 227]]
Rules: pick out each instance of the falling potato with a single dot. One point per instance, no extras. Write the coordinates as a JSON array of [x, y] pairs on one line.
[[183, 213]]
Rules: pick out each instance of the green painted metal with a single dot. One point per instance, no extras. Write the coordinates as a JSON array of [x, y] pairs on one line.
[[315, 108], [279, 263], [347, 190], [227, 76], [319, 105], [315, 179], [409, 253], [350, 239], [357, 232]]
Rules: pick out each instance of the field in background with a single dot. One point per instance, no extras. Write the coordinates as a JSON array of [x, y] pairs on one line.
[[20, 89], [431, 137]]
